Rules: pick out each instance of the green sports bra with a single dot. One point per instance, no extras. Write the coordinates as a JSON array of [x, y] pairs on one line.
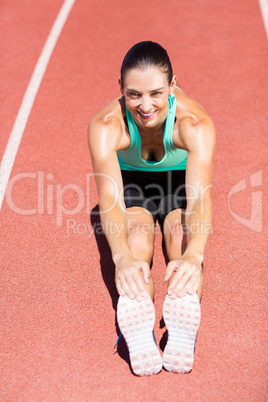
[[174, 158]]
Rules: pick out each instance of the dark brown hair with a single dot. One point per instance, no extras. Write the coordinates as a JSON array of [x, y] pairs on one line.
[[147, 54]]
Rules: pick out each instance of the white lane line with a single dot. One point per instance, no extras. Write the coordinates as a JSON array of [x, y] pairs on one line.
[[29, 97], [264, 11]]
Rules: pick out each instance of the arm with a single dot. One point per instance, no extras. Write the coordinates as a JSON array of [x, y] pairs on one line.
[[200, 141], [103, 140]]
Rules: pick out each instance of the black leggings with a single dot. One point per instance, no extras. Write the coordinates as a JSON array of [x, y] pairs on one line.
[[158, 192]]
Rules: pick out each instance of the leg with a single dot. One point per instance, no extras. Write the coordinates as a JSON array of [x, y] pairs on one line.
[[140, 237], [181, 315], [136, 318], [176, 240]]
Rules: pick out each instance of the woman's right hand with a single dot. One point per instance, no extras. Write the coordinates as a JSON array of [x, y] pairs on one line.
[[131, 277]]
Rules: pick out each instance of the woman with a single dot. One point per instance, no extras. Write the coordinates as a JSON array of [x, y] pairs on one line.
[[152, 152]]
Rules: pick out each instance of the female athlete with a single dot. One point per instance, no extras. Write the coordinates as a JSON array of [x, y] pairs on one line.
[[152, 154]]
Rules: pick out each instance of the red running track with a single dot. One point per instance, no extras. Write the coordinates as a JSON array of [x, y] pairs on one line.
[[57, 295]]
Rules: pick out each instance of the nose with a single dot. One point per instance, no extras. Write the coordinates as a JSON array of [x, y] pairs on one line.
[[145, 104]]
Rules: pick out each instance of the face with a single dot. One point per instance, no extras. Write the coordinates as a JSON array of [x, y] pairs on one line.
[[146, 94]]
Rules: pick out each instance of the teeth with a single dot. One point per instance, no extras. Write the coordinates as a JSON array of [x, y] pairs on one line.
[[146, 115]]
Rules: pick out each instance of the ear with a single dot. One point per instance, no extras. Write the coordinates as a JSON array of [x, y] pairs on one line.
[[120, 85], [172, 85]]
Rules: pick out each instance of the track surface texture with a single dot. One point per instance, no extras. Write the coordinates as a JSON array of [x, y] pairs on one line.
[[57, 291]]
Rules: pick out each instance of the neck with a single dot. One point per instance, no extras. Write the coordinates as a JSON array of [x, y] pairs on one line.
[[156, 130]]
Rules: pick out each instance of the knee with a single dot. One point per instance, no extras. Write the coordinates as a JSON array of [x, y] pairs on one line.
[[140, 241]]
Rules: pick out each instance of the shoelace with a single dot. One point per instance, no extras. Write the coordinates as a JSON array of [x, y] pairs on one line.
[[120, 336]]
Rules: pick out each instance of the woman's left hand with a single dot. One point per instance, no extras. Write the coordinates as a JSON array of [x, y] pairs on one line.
[[184, 276]]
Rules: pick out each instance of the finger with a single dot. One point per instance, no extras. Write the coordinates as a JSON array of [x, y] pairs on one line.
[[140, 284], [170, 268], [146, 271], [184, 278], [175, 279], [132, 286], [181, 280], [191, 285], [193, 290], [119, 288], [126, 288]]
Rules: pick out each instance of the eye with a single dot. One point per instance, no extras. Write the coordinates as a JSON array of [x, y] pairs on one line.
[[156, 93], [133, 95]]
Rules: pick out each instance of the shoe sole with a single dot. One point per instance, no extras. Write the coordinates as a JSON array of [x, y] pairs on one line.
[[182, 318], [136, 322]]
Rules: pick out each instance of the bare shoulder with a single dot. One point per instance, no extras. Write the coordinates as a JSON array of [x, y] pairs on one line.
[[106, 128], [196, 131]]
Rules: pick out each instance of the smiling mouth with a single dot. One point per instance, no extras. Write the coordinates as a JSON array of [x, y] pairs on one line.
[[146, 116]]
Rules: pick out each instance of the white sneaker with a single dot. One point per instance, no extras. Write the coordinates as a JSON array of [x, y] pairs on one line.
[[182, 317], [136, 321]]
